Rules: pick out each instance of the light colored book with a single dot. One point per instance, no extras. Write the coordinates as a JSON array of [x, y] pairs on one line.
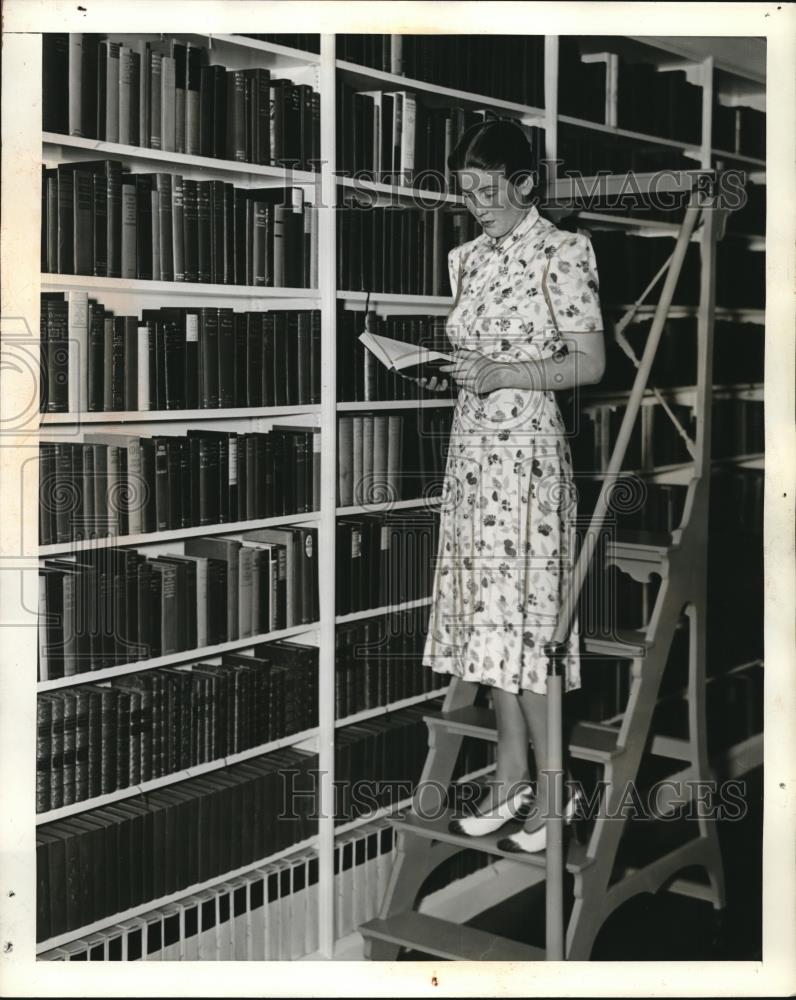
[[400, 356]]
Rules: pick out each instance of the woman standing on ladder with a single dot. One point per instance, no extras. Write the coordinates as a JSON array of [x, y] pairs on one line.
[[526, 323]]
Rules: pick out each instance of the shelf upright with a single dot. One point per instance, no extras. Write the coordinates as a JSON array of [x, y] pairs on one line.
[[327, 279]]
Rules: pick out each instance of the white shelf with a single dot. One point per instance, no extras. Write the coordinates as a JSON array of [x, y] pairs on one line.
[[394, 404], [369, 508], [372, 713], [677, 394], [431, 301], [400, 190], [173, 659], [691, 148], [173, 778], [189, 165], [156, 416], [752, 161], [388, 609], [370, 78], [156, 537], [192, 289], [153, 904], [299, 56], [739, 315]]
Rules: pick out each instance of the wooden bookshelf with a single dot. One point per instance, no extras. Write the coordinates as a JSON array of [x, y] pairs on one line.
[[158, 416]]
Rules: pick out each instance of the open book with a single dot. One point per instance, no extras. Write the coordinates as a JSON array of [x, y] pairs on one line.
[[399, 356]]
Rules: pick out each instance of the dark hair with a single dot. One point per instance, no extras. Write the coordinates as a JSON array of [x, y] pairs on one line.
[[496, 144]]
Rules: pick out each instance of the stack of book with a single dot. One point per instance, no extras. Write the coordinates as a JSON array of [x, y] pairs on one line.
[[95, 739], [385, 558], [501, 66], [120, 856], [360, 376], [384, 457], [268, 913], [378, 762], [738, 129], [740, 276], [115, 484], [627, 263], [659, 103], [297, 40], [377, 662], [398, 250], [167, 95], [104, 607], [582, 85], [393, 137], [654, 507], [589, 153], [737, 428], [101, 220], [175, 358]]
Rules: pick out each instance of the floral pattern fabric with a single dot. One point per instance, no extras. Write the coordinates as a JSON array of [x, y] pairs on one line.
[[507, 517]]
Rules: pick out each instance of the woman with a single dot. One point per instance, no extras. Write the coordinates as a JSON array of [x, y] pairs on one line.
[[526, 322]]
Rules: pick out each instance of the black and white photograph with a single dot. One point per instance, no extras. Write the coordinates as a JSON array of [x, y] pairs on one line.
[[397, 463]]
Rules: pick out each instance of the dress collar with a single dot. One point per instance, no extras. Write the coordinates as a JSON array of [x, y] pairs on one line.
[[526, 223]]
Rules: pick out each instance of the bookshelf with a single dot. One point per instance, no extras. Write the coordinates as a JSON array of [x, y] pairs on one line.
[[326, 189]]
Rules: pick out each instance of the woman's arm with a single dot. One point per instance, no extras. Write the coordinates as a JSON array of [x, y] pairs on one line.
[[583, 364]]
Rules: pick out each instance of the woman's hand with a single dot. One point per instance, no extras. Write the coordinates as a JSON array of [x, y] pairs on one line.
[[433, 384], [476, 372]]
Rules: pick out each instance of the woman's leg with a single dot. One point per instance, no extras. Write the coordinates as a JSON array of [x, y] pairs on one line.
[[512, 748], [534, 710]]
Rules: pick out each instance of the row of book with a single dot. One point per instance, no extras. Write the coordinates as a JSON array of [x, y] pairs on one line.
[[381, 760], [510, 67], [101, 220], [737, 502], [269, 913], [384, 558], [174, 358], [384, 457], [95, 739], [377, 661], [651, 506], [112, 484], [627, 263], [737, 427], [588, 153], [659, 103], [739, 129], [392, 136], [738, 355], [398, 250], [122, 855], [361, 378], [105, 607], [167, 95], [297, 40]]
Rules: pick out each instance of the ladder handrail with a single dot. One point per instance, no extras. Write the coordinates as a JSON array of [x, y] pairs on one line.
[[554, 859]]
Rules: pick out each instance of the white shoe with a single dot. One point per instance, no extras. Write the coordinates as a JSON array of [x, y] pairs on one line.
[[482, 825], [523, 842]]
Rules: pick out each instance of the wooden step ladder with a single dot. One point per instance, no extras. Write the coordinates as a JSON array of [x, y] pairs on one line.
[[679, 559]]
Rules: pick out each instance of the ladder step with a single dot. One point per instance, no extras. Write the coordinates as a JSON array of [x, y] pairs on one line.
[[645, 551], [629, 643], [437, 829], [588, 741], [448, 940]]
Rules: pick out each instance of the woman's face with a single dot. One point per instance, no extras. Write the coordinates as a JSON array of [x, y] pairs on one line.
[[497, 203]]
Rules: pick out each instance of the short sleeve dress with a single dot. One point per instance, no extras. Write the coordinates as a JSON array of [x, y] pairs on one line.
[[507, 517]]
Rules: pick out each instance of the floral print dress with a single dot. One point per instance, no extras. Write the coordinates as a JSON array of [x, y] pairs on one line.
[[507, 518]]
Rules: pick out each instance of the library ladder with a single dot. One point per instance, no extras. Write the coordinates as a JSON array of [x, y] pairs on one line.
[[600, 885]]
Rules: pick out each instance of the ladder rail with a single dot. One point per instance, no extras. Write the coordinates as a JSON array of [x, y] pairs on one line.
[[555, 777]]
